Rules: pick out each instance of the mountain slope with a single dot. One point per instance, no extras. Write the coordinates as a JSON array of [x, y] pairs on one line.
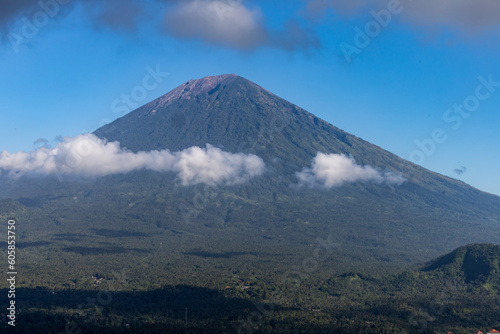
[[237, 115]]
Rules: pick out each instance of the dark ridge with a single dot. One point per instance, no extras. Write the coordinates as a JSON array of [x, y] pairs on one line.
[[475, 262]]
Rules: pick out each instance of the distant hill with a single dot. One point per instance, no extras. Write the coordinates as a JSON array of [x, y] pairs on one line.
[[477, 262]]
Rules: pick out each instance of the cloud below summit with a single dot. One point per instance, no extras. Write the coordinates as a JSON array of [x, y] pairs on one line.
[[90, 156], [334, 170]]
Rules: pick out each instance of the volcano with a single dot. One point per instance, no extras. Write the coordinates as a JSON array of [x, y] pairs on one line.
[[319, 183]]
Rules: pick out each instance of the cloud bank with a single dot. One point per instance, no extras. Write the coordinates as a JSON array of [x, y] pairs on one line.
[[470, 16], [240, 24], [333, 170], [227, 23], [90, 156]]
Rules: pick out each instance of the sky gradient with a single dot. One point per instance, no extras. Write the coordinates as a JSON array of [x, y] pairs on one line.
[[420, 79]]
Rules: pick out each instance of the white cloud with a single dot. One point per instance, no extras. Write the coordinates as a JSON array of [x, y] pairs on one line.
[[90, 156], [333, 170], [232, 24], [211, 166], [221, 22]]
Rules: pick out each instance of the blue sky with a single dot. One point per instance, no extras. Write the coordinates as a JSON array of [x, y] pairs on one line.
[[386, 71]]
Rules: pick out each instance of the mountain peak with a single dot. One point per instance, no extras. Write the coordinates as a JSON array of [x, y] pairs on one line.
[[196, 87]]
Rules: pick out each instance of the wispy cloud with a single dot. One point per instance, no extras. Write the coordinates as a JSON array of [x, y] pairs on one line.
[[12, 9], [295, 37], [470, 16], [41, 141], [334, 170], [460, 171], [118, 15], [90, 156]]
